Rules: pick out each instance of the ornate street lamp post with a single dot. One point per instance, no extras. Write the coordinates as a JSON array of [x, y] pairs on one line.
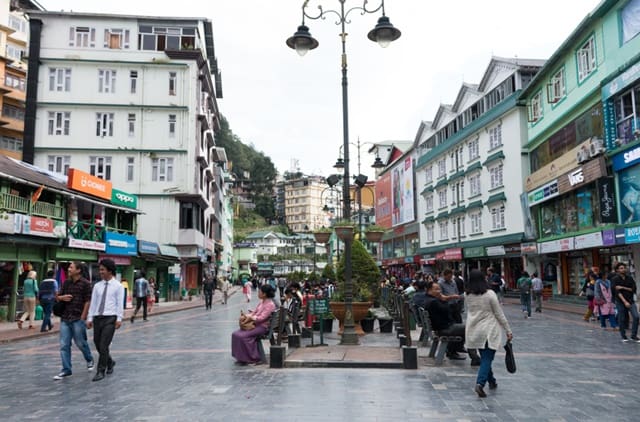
[[302, 41]]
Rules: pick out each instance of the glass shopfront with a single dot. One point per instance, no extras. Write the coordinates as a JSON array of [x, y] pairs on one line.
[[570, 213]]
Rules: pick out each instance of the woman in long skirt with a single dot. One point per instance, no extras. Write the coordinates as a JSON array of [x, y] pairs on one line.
[[244, 343], [246, 290]]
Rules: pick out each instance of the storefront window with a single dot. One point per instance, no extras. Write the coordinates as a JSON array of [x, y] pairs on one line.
[[585, 209], [412, 246], [570, 213], [387, 249], [398, 248]]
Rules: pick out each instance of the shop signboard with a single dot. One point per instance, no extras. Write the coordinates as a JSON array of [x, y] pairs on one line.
[[625, 159], [439, 256], [453, 254], [632, 234], [86, 244], [86, 183], [124, 199], [590, 240], [8, 223], [581, 176], [43, 227], [512, 250], [383, 201], [402, 205], [120, 244], [560, 245], [495, 250], [529, 248], [543, 193], [619, 233], [557, 167], [608, 237], [629, 194], [624, 79], [476, 252], [149, 248], [606, 197], [117, 259]]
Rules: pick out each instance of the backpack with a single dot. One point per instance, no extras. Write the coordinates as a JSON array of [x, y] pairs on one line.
[[525, 286]]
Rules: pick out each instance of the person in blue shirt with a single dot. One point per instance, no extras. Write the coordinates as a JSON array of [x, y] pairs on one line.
[[47, 296]]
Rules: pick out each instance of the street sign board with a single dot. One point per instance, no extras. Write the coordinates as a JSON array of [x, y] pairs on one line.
[[320, 306]]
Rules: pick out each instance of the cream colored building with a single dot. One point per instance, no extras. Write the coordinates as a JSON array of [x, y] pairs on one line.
[[304, 200]]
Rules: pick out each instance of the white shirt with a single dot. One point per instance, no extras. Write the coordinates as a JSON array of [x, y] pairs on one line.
[[114, 302]]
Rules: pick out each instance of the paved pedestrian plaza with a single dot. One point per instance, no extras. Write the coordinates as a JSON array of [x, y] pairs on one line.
[[178, 367]]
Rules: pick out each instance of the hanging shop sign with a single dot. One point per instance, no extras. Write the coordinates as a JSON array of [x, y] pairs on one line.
[[495, 250], [529, 248], [608, 237], [86, 183], [543, 193], [453, 254], [43, 227], [120, 244], [86, 244], [591, 240], [117, 259], [124, 199], [476, 252], [149, 248], [560, 245], [632, 234], [606, 197], [578, 177]]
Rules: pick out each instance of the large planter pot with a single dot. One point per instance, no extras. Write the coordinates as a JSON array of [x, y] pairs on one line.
[[360, 311], [386, 325], [344, 232], [367, 325], [322, 237], [374, 236]]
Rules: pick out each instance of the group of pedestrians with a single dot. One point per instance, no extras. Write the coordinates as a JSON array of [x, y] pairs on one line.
[[529, 286]]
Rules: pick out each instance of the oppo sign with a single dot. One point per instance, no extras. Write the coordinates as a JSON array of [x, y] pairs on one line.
[[124, 199]]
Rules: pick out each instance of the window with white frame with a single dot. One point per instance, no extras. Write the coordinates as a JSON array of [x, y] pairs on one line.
[[107, 81], [10, 143], [474, 185], [172, 126], [430, 233], [104, 124], [535, 108], [116, 38], [131, 161], [100, 167], [556, 89], [476, 221], [59, 122], [161, 38], [428, 174], [59, 163], [452, 156], [162, 169], [586, 58], [453, 195], [59, 79], [173, 83], [474, 149], [12, 111], [442, 167], [133, 81], [444, 230], [82, 36], [497, 217], [495, 137], [495, 173], [462, 222], [15, 52], [15, 82], [429, 203], [442, 198], [459, 157], [17, 23], [132, 124]]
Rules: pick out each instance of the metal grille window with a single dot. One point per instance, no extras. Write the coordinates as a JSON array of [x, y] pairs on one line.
[[59, 122], [10, 144], [100, 167], [12, 112], [14, 82]]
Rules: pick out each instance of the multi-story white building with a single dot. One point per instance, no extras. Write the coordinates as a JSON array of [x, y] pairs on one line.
[[470, 171], [132, 99], [304, 201]]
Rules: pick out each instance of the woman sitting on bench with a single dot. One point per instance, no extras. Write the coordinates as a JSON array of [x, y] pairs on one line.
[[244, 346]]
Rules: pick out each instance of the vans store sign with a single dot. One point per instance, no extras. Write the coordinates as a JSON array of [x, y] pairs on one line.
[[124, 199]]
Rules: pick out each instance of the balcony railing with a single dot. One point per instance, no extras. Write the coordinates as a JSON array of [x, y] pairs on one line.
[[19, 204], [85, 230], [121, 231]]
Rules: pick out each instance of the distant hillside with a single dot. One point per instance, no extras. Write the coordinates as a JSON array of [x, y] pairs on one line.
[[249, 222]]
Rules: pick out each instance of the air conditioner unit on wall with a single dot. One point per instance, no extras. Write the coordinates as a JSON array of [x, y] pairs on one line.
[[582, 155], [596, 147]]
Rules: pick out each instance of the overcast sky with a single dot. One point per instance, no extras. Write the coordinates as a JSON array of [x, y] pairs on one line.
[[290, 107]]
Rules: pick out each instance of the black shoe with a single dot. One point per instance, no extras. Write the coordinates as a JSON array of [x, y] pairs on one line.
[[493, 385], [145, 320], [110, 367], [132, 318], [98, 376], [456, 356], [475, 362], [480, 391]]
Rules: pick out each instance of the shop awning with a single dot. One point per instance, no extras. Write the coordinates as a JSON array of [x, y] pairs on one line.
[[170, 251]]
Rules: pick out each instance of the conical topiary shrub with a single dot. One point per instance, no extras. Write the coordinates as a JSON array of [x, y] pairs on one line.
[[365, 274]]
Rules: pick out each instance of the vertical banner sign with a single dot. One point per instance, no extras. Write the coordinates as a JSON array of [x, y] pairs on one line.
[[402, 210], [606, 200]]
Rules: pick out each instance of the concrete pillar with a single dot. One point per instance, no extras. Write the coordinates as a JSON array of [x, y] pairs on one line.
[[409, 357], [293, 340], [277, 355]]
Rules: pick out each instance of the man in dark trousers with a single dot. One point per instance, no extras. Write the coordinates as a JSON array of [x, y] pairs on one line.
[[141, 292], [443, 324], [623, 287], [207, 288], [495, 282], [105, 315]]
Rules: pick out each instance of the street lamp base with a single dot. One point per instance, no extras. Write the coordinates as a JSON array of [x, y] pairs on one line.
[[349, 338]]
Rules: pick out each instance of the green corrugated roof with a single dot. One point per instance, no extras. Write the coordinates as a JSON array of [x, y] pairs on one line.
[[493, 157], [443, 214], [474, 204], [428, 220], [427, 190], [475, 166], [458, 210], [456, 175], [496, 198], [440, 183]]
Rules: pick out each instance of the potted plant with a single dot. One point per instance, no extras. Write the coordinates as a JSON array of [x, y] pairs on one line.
[[374, 233], [367, 323], [344, 229], [364, 277], [322, 235]]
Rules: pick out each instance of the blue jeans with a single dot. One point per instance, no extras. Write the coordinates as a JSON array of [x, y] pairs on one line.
[[76, 330], [47, 306], [525, 301], [484, 371], [623, 319]]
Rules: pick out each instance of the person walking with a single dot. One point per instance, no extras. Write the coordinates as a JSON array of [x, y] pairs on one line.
[[106, 314], [151, 296], [47, 296], [223, 285], [604, 305], [524, 285], [207, 288], [246, 290], [624, 288], [30, 291], [76, 294], [588, 289], [495, 282], [536, 287], [483, 328], [141, 292]]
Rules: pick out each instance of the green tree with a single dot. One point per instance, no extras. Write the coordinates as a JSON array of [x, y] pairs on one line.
[[365, 275], [328, 272]]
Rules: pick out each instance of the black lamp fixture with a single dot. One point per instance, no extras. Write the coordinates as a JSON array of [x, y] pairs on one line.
[[384, 32], [333, 180], [339, 163], [302, 41], [360, 180], [378, 164]]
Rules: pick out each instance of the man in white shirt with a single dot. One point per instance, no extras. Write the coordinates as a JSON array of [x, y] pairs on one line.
[[537, 286], [105, 315]]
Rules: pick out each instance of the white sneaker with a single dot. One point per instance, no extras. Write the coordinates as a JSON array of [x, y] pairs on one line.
[[90, 365], [61, 375]]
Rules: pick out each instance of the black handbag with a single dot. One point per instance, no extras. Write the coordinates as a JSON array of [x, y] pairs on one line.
[[509, 359], [58, 308]]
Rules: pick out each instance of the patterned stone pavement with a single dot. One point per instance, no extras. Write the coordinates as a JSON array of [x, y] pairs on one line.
[[178, 367]]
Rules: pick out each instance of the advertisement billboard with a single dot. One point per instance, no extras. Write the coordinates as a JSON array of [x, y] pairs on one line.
[[86, 183], [402, 208], [383, 200]]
